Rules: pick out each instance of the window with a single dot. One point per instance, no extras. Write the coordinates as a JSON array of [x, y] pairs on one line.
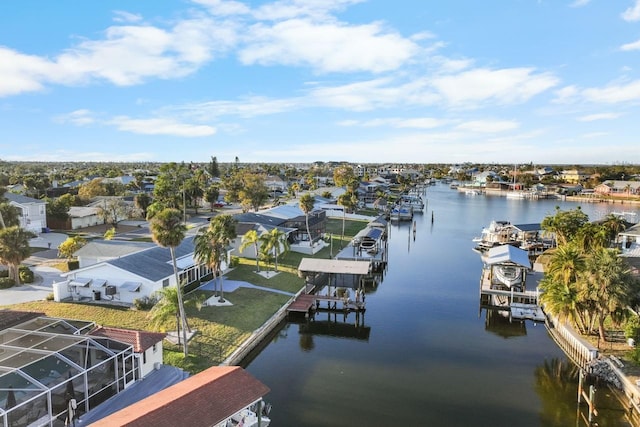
[[144, 356], [165, 283], [155, 348]]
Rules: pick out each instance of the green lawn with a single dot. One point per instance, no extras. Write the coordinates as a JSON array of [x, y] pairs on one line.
[[220, 329]]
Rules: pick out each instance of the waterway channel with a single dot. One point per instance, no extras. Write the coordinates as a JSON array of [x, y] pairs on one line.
[[424, 354]]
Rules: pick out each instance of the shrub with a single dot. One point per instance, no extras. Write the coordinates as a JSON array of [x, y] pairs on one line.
[[6, 283], [4, 273], [632, 328], [49, 297], [144, 303], [235, 261], [635, 355], [26, 275]]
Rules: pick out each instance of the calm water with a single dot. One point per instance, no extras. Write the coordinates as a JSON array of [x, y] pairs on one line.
[[426, 355]]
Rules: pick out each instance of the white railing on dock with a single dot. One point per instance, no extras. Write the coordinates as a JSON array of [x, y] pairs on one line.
[[577, 349]]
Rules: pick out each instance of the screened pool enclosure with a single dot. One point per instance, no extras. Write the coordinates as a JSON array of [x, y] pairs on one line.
[[44, 362]]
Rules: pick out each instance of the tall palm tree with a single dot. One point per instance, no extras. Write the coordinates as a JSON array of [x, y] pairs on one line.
[[211, 245], [614, 224], [306, 205], [562, 283], [251, 238], [348, 201], [168, 231], [275, 242], [609, 285], [14, 248]]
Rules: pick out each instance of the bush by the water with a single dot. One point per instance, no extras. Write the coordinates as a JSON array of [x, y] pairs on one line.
[[6, 283]]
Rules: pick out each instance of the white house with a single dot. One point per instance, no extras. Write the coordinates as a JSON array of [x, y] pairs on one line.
[[84, 216], [147, 346], [127, 278], [32, 212], [98, 251]]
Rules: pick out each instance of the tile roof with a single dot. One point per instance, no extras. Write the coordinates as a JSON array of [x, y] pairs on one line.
[[140, 340], [202, 400]]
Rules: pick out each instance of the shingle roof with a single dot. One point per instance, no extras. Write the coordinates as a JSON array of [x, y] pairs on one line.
[[140, 340], [19, 198], [155, 263], [202, 400], [112, 248], [260, 219], [10, 318]]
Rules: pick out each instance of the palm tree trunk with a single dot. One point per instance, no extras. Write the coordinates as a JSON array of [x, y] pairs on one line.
[[257, 258], [183, 315]]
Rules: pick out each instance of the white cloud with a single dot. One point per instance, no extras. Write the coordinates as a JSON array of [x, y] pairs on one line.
[[124, 16], [505, 86], [566, 95], [161, 127], [288, 9], [599, 116], [489, 126], [396, 122], [632, 14], [21, 73], [327, 47], [81, 117], [614, 93], [631, 46], [246, 108], [224, 7]]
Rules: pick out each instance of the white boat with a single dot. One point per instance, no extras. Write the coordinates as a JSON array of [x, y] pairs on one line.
[[415, 201], [248, 417], [472, 192], [401, 212], [516, 195], [527, 312], [497, 233]]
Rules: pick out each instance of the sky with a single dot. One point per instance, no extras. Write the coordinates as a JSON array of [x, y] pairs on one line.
[[298, 81]]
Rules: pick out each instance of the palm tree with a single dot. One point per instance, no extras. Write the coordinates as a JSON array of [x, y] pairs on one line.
[[14, 248], [275, 242], [562, 283], [614, 225], [348, 201], [608, 285], [251, 238], [211, 245], [168, 231], [168, 306], [306, 205]]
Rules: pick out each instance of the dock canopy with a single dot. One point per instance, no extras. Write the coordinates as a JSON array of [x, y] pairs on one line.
[[507, 254], [336, 266]]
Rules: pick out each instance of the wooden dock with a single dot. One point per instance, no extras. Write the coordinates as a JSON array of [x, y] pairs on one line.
[[307, 303]]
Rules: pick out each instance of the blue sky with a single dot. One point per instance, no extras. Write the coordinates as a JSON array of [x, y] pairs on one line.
[[377, 81]]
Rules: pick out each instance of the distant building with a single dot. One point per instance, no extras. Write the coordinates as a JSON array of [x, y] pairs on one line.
[[32, 212]]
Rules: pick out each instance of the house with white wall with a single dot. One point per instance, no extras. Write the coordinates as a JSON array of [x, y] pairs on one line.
[[32, 212], [138, 275]]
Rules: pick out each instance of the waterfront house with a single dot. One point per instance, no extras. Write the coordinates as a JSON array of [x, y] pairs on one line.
[[617, 188], [217, 397], [32, 213], [138, 275], [97, 251]]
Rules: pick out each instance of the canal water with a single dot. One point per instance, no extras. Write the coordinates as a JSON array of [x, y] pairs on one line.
[[424, 354]]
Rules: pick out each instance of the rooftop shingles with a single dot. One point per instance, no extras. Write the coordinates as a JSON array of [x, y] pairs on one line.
[[203, 400], [140, 340]]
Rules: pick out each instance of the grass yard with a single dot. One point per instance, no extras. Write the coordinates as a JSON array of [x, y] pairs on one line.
[[220, 329]]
